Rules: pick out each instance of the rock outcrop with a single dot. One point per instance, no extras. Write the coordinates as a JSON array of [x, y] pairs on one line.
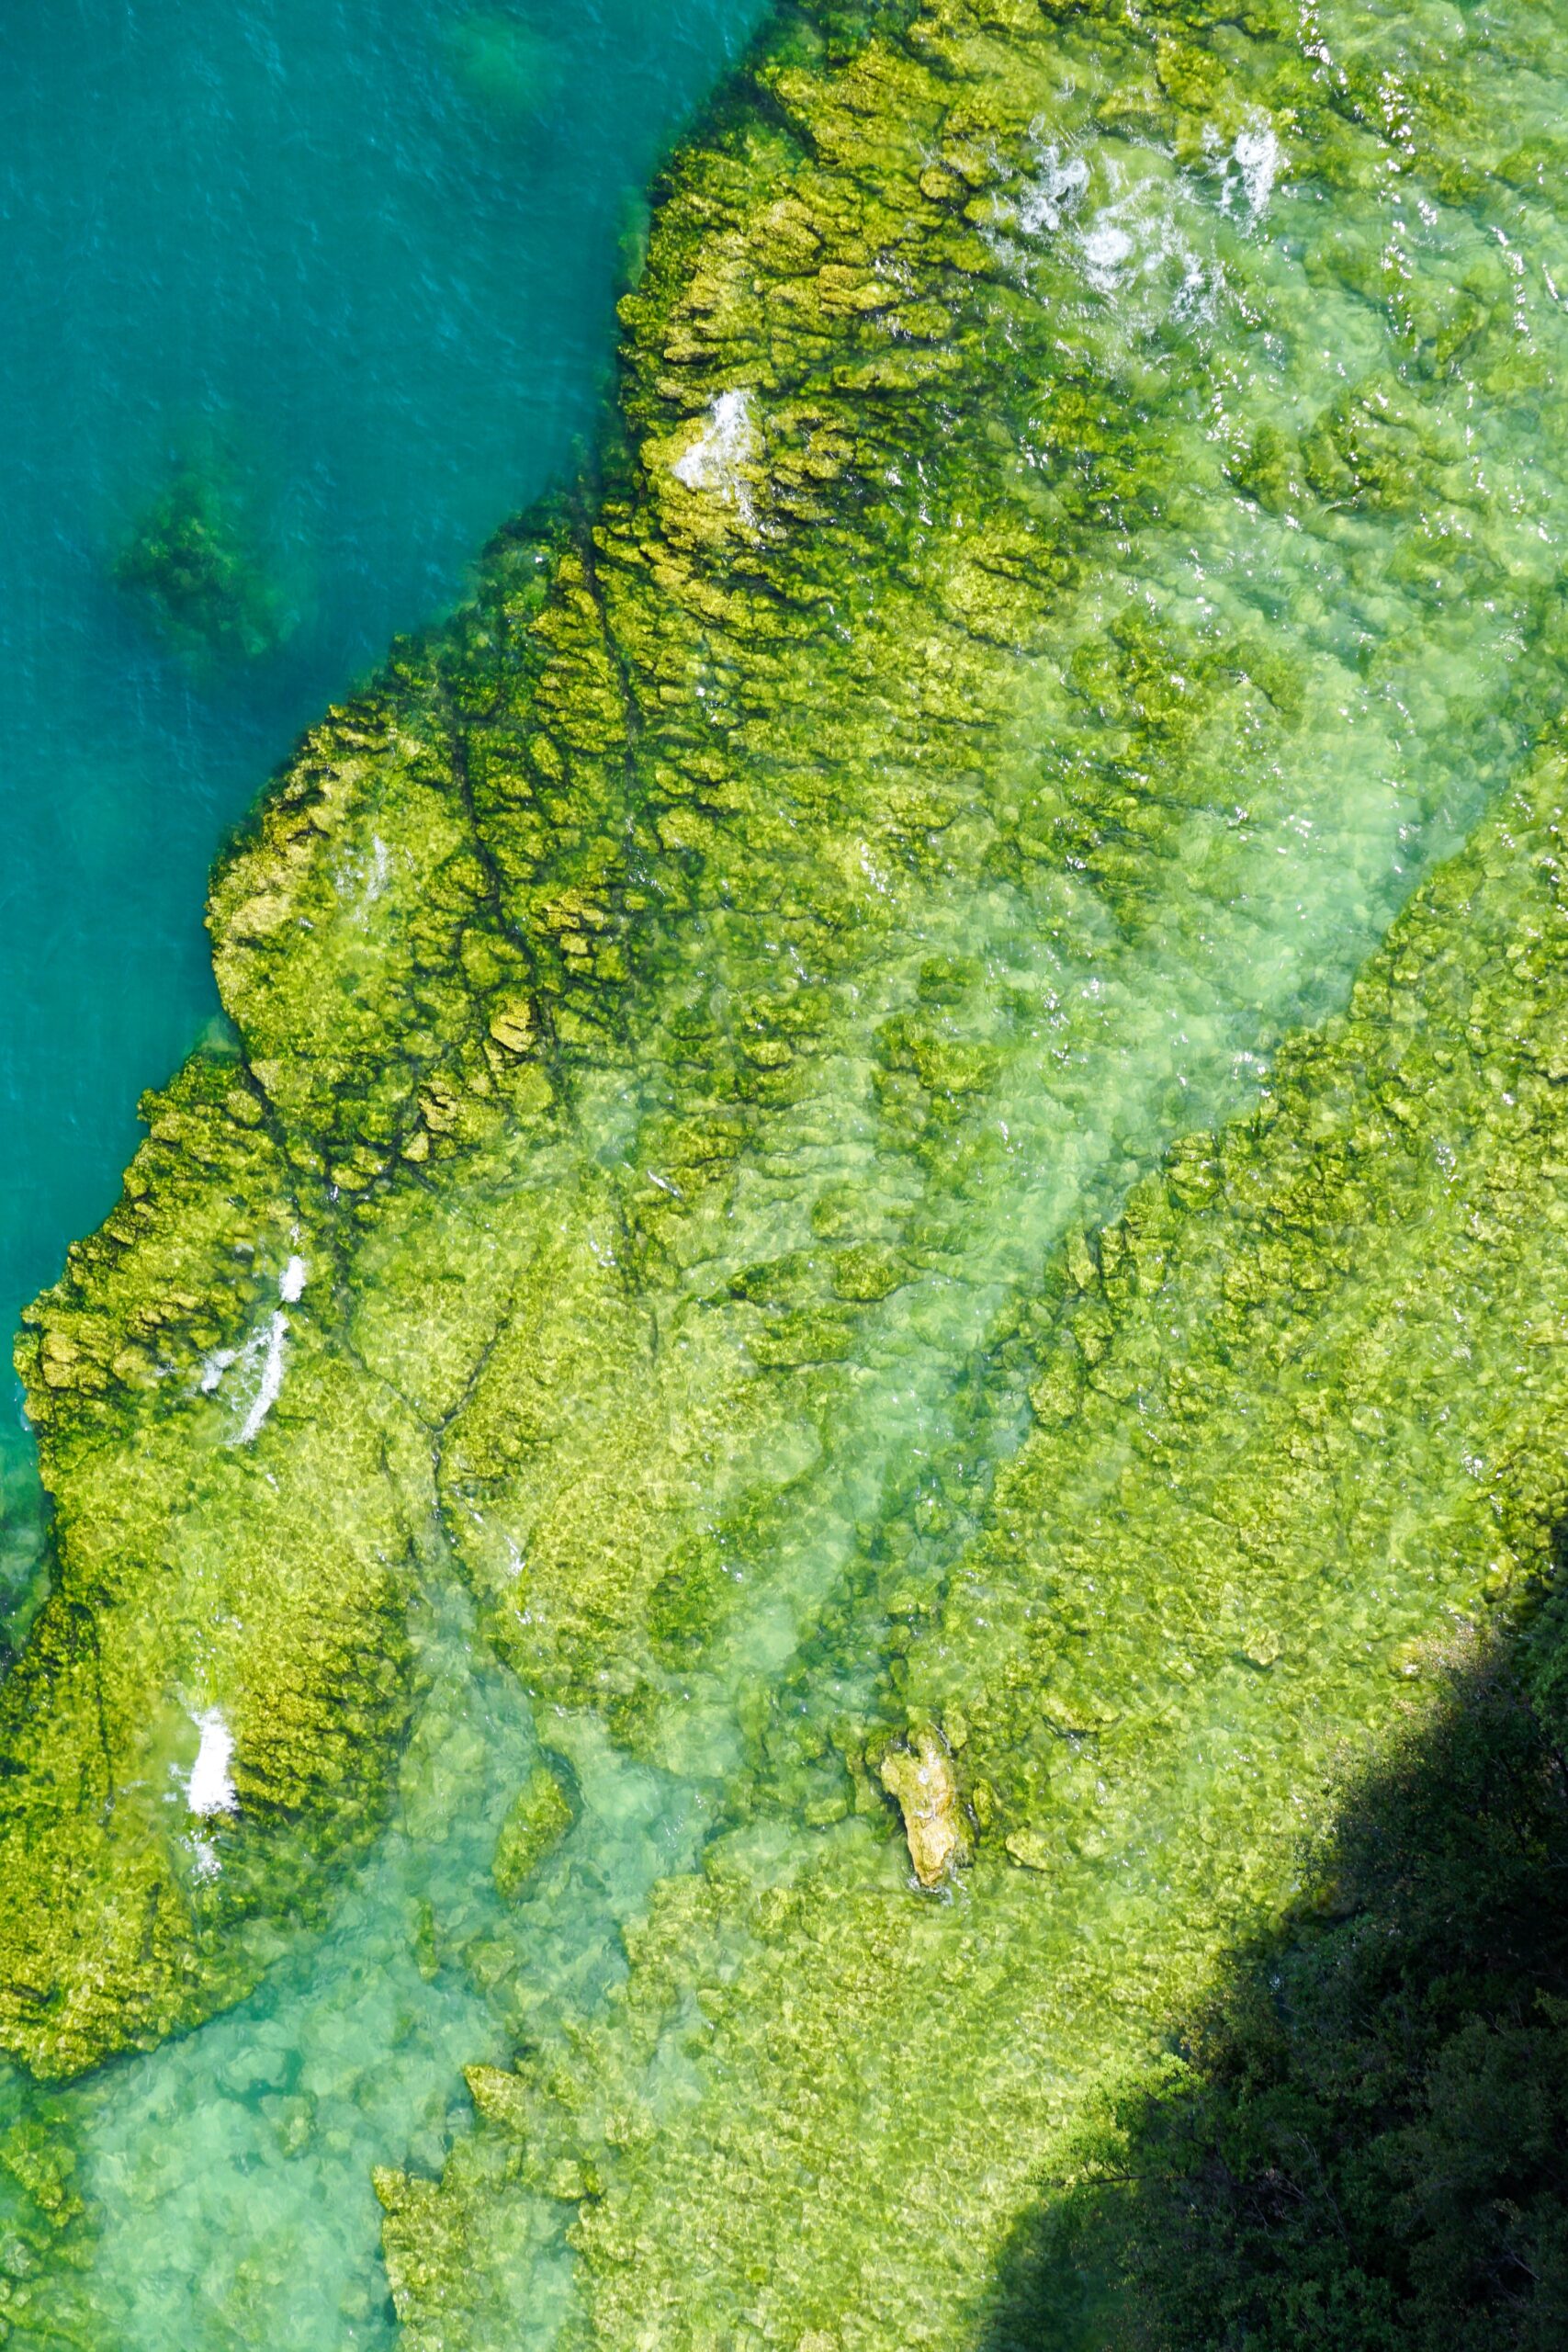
[[921, 1778]]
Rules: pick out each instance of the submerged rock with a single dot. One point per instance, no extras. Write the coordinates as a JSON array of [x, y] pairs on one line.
[[508, 67], [537, 1819], [1029, 1849], [921, 1778], [195, 566]]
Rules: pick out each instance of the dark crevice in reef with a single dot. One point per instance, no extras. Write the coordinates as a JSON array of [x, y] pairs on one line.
[[1361, 2143]]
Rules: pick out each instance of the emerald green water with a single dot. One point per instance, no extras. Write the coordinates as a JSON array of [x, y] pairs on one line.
[[227, 2176]]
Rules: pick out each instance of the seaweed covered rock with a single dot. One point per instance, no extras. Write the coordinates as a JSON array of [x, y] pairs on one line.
[[761, 1141], [538, 1818], [1360, 2140], [922, 1779], [196, 566], [1282, 1305], [237, 1503]]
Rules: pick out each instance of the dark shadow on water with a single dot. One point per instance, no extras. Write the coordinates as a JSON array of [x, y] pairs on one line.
[[1362, 2144]]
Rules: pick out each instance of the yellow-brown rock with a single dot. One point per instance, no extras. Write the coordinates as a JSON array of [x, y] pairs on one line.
[[922, 1779]]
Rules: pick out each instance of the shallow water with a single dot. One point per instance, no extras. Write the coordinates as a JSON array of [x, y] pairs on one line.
[[239, 2159], [230, 2172]]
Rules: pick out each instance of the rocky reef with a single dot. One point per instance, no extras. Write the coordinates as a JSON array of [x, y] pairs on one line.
[[800, 1124]]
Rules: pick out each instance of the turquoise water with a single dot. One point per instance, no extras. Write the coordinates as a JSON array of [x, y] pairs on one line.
[[374, 267], [355, 264]]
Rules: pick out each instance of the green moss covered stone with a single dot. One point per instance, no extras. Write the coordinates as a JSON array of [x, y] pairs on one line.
[[537, 1820]]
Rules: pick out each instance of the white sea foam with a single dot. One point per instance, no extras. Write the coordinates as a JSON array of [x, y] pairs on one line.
[[359, 879], [1135, 247], [269, 1344], [1057, 192], [1107, 249], [210, 1788], [1143, 250], [714, 461], [1257, 156], [270, 1387]]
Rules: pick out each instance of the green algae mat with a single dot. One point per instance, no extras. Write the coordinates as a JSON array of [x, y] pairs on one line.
[[882, 1243]]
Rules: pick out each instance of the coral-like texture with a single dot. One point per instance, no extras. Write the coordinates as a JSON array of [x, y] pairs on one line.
[[711, 1157]]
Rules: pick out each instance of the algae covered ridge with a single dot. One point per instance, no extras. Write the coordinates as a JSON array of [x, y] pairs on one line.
[[903, 1107]]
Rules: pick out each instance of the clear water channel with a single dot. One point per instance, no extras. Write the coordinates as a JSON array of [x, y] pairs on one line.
[[358, 262]]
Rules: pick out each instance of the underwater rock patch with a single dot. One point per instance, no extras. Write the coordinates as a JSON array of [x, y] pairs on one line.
[[196, 566], [922, 1779]]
